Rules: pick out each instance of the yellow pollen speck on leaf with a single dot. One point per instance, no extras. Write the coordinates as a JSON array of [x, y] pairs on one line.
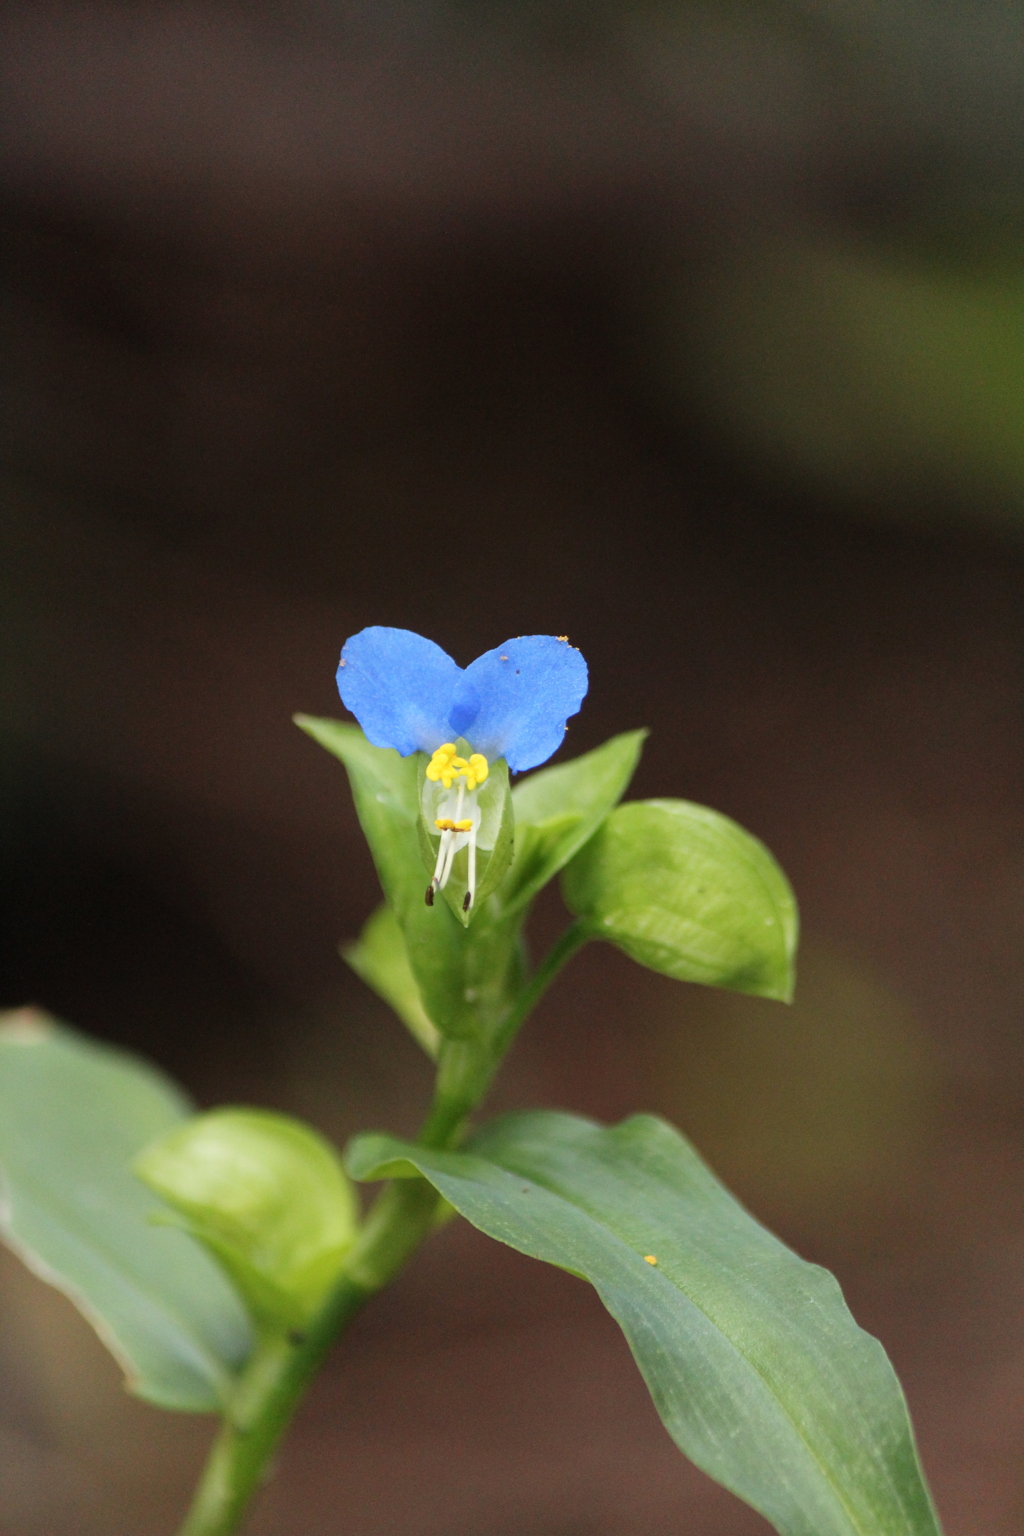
[[649, 1258]]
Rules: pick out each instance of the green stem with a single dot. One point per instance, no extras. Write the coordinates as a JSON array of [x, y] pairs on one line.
[[466, 1068], [464, 1072], [273, 1383]]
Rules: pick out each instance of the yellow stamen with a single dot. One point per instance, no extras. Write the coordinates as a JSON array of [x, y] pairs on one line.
[[649, 1258], [446, 766], [441, 765], [446, 824]]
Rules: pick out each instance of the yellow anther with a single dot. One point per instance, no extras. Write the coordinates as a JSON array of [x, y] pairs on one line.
[[441, 761], [444, 824], [463, 826], [649, 1258], [443, 765], [446, 766]]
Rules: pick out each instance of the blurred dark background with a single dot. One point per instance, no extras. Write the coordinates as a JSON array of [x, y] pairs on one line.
[[693, 331]]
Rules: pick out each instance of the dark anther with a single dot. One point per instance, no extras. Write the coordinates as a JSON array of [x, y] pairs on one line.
[[429, 897], [466, 901], [296, 1338]]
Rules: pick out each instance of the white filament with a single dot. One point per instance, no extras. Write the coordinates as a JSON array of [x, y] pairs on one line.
[[452, 841]]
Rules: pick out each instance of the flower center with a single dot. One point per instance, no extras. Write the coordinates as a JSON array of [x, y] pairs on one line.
[[446, 766], [460, 777]]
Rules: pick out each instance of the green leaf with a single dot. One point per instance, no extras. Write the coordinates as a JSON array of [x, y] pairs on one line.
[[269, 1199], [689, 893], [758, 1370], [379, 957], [558, 809], [385, 788], [73, 1114], [494, 837]]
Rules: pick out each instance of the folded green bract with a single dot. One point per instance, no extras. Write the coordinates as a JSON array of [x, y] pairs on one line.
[[267, 1197], [685, 891]]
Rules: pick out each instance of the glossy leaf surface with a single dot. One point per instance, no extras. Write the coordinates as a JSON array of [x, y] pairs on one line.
[[755, 1365], [73, 1115], [688, 893], [380, 958], [267, 1196], [558, 809]]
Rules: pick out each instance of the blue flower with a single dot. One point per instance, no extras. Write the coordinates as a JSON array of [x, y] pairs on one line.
[[510, 703]]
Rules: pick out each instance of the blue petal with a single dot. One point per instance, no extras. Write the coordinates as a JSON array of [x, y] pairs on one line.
[[399, 686], [527, 690], [465, 706]]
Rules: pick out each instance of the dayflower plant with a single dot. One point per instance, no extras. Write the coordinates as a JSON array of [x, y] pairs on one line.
[[221, 1254]]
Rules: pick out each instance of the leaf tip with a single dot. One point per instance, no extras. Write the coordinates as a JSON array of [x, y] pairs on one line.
[[777, 989], [373, 1155], [26, 1026]]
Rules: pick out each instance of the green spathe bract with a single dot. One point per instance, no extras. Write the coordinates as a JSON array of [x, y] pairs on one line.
[[267, 1197], [447, 960], [385, 788], [73, 1115], [689, 893], [753, 1360]]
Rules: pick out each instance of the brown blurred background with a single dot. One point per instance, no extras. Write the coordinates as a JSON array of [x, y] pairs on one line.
[[693, 331]]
